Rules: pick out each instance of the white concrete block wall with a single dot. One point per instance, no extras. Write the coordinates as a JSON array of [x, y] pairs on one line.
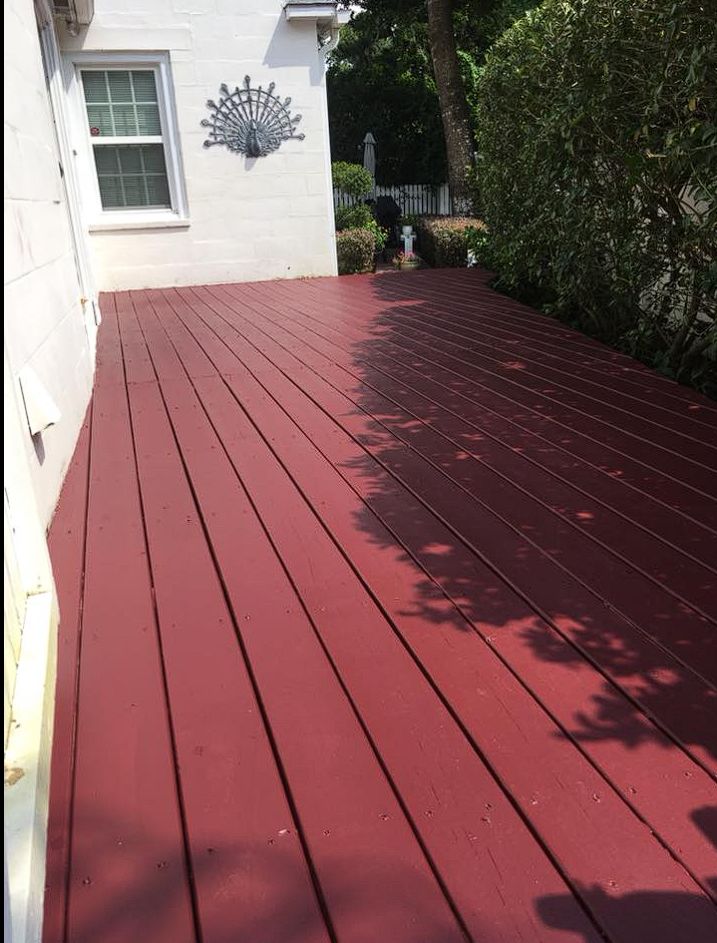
[[44, 316], [248, 219], [50, 330]]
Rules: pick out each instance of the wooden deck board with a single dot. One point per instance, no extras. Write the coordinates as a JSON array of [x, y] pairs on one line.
[[577, 437], [67, 549], [387, 614], [562, 404], [624, 406]]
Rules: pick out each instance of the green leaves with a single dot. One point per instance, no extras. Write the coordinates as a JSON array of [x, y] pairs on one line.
[[597, 171], [357, 216], [381, 79], [355, 251], [352, 179]]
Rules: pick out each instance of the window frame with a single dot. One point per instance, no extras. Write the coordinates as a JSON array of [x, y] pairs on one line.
[[98, 218]]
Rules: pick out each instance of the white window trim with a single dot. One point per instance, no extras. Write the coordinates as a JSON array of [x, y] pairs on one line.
[[141, 218]]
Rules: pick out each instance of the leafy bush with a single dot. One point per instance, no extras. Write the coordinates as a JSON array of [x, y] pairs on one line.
[[351, 179], [597, 172], [355, 250], [380, 235], [479, 247], [444, 239], [357, 216]]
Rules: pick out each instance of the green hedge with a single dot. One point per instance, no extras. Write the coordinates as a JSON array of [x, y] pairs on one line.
[[357, 216], [352, 179], [444, 240], [597, 172], [355, 251]]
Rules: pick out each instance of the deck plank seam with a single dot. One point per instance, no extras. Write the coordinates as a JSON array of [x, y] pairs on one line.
[[75, 719]]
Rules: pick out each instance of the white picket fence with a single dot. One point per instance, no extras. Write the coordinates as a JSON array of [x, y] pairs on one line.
[[419, 198]]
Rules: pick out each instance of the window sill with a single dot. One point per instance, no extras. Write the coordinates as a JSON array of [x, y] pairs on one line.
[[129, 225]]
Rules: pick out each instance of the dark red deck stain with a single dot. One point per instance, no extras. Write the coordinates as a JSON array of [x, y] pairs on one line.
[[388, 616]]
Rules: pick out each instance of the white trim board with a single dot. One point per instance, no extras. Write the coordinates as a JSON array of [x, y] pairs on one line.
[[27, 769]]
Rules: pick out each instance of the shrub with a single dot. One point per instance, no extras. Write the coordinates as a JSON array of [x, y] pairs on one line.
[[444, 239], [380, 235], [479, 246], [597, 164], [351, 179], [355, 251], [357, 216]]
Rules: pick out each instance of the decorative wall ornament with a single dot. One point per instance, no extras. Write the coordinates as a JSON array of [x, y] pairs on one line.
[[251, 121]]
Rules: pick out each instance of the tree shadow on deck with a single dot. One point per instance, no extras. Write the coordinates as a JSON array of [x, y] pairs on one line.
[[689, 916], [665, 688]]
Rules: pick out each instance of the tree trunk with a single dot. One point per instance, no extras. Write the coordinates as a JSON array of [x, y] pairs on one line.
[[452, 97]]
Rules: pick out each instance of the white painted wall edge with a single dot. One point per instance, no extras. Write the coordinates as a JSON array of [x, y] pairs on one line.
[[27, 770]]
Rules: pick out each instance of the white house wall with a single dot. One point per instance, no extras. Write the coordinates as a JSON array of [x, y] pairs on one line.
[[45, 326], [48, 344], [271, 217]]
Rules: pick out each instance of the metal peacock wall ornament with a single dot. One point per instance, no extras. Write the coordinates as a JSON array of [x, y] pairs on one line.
[[251, 121]]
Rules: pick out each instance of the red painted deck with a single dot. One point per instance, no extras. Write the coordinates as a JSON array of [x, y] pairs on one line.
[[388, 616]]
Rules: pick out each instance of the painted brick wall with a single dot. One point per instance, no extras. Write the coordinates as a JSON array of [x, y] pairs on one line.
[[249, 220], [44, 318]]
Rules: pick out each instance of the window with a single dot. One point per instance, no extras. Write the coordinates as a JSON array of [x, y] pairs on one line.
[[130, 140], [122, 106]]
